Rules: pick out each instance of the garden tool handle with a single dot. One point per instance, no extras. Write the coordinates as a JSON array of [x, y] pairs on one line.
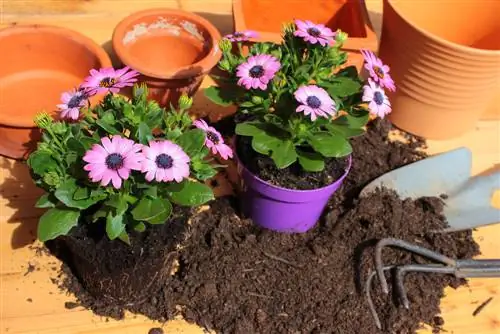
[[477, 268]]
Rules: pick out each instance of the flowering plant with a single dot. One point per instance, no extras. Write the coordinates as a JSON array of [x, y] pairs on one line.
[[123, 161], [301, 102]]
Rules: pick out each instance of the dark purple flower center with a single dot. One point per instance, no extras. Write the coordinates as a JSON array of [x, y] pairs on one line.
[[107, 82], [115, 161], [378, 98], [213, 137], [313, 102], [257, 71], [314, 32], [379, 72], [238, 35], [75, 100], [164, 161]]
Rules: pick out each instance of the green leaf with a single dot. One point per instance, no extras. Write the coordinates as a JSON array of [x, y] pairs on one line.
[[349, 71], [75, 145], [352, 121], [151, 191], [144, 133], [81, 193], [107, 127], [119, 202], [284, 154], [124, 237], [190, 193], [264, 143], [330, 146], [128, 112], [66, 194], [345, 131], [108, 118], [87, 142], [153, 211], [311, 161], [343, 86], [114, 226], [101, 213], [249, 128], [46, 201], [192, 141], [140, 227], [222, 97], [56, 222], [41, 162]]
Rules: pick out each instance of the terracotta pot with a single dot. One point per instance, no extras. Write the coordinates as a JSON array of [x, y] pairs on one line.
[[172, 49], [266, 18], [41, 63], [447, 72]]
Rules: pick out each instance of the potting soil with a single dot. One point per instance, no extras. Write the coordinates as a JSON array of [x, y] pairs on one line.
[[236, 278]]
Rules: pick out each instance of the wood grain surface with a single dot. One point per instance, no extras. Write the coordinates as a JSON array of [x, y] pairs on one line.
[[31, 303]]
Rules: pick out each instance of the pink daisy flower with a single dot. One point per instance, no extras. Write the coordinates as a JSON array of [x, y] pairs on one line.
[[108, 80], [241, 36], [314, 33], [378, 71], [113, 160], [378, 103], [164, 161], [314, 101], [72, 102], [257, 71], [214, 140]]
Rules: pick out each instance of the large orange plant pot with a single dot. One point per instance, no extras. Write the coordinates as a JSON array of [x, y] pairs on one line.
[[37, 64], [267, 16], [172, 49], [447, 69]]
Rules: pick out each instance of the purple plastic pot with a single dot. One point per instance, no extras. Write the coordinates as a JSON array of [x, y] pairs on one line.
[[280, 209]]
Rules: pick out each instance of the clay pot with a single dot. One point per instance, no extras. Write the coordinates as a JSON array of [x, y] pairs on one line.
[[447, 72], [172, 49], [266, 18], [41, 63]]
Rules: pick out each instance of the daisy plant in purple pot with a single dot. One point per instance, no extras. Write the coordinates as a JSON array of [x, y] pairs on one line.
[[125, 162], [299, 103]]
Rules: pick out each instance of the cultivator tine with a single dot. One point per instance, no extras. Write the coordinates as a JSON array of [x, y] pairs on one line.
[[409, 247], [458, 268]]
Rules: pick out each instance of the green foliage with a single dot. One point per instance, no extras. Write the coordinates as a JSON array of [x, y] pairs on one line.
[[72, 198], [277, 130]]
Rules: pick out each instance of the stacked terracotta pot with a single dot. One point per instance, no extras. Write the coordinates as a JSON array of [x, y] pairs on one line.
[[447, 68]]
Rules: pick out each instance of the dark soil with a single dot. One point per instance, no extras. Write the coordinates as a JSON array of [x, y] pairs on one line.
[[292, 177], [117, 275], [236, 278]]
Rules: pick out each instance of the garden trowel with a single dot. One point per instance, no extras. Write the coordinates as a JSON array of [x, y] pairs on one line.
[[468, 200]]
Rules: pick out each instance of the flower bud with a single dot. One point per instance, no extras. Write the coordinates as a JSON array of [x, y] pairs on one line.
[[288, 28], [225, 65], [43, 120], [225, 45], [340, 36], [257, 99], [52, 179], [140, 90], [185, 102], [59, 128]]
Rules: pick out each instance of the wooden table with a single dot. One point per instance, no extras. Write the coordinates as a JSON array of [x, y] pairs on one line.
[[31, 303]]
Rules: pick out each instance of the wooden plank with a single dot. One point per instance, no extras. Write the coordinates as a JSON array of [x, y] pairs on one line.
[[45, 313]]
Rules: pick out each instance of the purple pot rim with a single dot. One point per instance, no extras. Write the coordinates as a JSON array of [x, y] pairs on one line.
[[333, 184]]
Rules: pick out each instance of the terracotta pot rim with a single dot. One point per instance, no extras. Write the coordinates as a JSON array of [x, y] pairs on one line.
[[436, 38], [184, 72], [71, 35]]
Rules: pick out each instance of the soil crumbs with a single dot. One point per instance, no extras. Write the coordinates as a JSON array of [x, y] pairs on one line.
[[236, 278]]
